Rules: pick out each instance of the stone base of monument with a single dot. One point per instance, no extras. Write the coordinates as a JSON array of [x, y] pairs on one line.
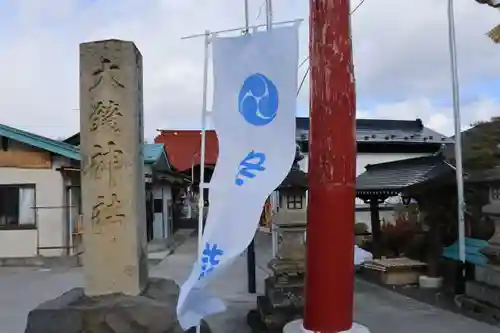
[[297, 327], [282, 302], [73, 312]]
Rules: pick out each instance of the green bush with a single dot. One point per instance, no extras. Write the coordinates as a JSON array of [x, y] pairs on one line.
[[360, 228]]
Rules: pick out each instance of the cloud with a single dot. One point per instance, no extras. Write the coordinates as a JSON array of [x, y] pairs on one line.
[[400, 49]]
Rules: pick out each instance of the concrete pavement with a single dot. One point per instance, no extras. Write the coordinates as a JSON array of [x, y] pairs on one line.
[[382, 311], [21, 289]]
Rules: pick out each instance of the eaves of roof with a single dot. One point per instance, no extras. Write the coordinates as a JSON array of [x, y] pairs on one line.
[[152, 152], [41, 142], [398, 175]]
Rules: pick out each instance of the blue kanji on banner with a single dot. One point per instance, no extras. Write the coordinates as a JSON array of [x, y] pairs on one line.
[[252, 162], [210, 258]]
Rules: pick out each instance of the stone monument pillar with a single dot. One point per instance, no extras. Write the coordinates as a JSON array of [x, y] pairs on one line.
[[113, 193]]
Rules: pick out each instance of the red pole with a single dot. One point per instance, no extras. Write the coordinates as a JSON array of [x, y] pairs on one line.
[[332, 165]]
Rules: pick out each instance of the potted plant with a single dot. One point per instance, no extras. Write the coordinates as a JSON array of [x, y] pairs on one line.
[[395, 236], [360, 233]]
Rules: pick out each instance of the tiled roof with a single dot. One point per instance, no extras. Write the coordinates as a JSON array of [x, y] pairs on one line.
[[492, 3], [41, 142], [73, 140], [295, 179], [382, 130], [152, 152], [392, 177], [183, 147]]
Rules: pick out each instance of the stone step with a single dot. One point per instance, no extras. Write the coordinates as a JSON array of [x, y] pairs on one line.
[[483, 292], [284, 296], [256, 324], [489, 274], [479, 309], [274, 319]]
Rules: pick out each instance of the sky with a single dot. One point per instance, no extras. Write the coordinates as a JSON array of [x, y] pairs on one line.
[[401, 58]]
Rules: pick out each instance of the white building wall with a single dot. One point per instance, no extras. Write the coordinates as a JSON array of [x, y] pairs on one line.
[[364, 159], [50, 213], [53, 228], [18, 243]]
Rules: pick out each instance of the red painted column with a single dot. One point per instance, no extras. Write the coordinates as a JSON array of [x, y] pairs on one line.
[[332, 165]]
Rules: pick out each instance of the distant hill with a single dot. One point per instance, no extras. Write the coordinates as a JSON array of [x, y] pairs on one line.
[[480, 146]]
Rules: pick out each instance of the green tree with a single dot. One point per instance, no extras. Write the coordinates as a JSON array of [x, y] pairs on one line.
[[481, 145]]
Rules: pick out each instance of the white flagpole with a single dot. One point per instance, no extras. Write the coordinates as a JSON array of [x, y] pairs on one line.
[[247, 18], [201, 202], [269, 14], [251, 277], [274, 231], [458, 136]]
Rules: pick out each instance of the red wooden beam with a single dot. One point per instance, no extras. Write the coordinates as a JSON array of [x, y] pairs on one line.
[[332, 165]]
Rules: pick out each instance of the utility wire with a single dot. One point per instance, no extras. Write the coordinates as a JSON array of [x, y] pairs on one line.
[[357, 7], [303, 80], [307, 58], [260, 10], [303, 62]]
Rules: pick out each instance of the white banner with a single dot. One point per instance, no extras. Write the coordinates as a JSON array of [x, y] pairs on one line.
[[255, 85]]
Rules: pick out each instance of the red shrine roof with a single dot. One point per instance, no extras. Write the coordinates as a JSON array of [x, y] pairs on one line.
[[183, 147]]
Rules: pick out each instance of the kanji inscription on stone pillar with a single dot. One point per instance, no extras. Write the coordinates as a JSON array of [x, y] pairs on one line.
[[113, 192]]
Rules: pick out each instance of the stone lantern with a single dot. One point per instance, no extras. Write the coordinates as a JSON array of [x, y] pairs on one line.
[[492, 211], [483, 290], [289, 223], [290, 220], [283, 298]]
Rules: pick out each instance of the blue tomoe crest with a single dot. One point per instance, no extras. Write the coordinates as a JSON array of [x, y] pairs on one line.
[[258, 100]]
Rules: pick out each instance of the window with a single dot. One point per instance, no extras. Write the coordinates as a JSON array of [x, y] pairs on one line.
[[17, 206], [495, 194], [158, 205], [294, 201]]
